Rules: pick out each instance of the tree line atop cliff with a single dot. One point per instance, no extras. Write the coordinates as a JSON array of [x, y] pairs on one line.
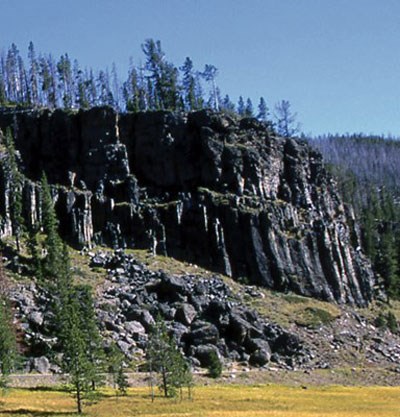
[[158, 84]]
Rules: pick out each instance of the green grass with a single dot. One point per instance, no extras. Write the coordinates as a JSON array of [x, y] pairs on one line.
[[216, 400]]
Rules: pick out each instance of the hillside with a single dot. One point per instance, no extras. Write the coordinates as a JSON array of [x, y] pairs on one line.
[[372, 187], [284, 272]]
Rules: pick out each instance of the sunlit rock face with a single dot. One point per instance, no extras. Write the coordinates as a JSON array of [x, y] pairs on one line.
[[202, 187]]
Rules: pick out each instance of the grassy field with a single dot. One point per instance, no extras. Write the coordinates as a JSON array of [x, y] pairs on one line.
[[218, 401]]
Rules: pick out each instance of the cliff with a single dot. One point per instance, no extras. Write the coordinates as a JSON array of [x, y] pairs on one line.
[[201, 187]]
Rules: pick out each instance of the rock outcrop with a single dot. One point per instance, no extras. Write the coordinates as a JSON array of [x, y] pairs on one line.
[[201, 187], [203, 314]]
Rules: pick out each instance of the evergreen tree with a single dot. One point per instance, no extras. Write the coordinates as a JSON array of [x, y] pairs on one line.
[[241, 107], [249, 110], [8, 346], [66, 81], [164, 357], [91, 88], [285, 119], [227, 105], [210, 74], [13, 79], [189, 85], [33, 250], [33, 74], [130, 90], [75, 360], [48, 81], [262, 110], [16, 185], [91, 333], [162, 88], [81, 91], [53, 263], [105, 96], [386, 264], [77, 333], [116, 369], [3, 94]]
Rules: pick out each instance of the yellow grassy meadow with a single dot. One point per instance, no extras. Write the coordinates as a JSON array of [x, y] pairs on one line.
[[216, 401]]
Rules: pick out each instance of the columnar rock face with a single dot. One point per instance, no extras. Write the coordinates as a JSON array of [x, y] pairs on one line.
[[201, 187]]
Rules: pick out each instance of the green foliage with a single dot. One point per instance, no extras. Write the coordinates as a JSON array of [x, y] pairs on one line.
[[115, 359], [75, 361], [8, 346], [79, 339], [372, 187], [16, 183], [53, 265], [164, 357], [90, 332], [263, 111], [387, 321], [215, 366]]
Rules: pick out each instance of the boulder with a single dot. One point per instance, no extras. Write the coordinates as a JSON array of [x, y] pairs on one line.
[[204, 354], [41, 365], [185, 313], [203, 333]]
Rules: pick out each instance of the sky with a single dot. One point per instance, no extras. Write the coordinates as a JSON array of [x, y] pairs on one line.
[[336, 61]]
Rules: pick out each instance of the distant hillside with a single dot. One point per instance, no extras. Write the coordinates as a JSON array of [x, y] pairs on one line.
[[367, 169], [372, 160]]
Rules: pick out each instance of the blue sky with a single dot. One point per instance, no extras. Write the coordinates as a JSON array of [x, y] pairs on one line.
[[336, 61]]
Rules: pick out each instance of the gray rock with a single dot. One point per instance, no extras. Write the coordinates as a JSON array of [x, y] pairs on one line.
[[41, 365], [260, 357], [134, 328], [204, 333], [35, 319], [204, 353], [185, 313]]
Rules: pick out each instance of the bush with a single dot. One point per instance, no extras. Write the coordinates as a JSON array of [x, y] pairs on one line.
[[391, 322], [215, 366], [387, 321]]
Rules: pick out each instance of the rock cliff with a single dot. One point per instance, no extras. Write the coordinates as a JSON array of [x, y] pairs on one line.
[[202, 187]]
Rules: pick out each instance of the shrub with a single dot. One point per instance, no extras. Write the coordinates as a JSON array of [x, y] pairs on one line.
[[215, 365]]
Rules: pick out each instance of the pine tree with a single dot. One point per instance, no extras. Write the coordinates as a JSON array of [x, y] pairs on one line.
[[53, 263], [210, 74], [262, 110], [189, 85], [66, 81], [81, 90], [75, 361], [116, 369], [16, 185], [105, 96], [8, 346], [91, 333], [164, 357], [13, 78], [241, 107], [249, 110], [48, 75], [33, 250], [285, 119], [78, 335], [33, 74], [227, 105], [130, 90]]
